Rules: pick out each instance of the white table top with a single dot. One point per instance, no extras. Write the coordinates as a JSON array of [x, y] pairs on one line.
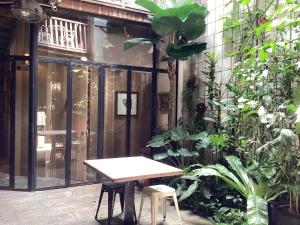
[[132, 168], [52, 132]]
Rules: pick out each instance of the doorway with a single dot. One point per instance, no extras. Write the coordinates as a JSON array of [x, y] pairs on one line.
[[14, 103], [79, 117], [5, 74]]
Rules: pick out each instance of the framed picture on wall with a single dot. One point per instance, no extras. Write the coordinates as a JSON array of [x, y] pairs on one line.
[[121, 103], [163, 102]]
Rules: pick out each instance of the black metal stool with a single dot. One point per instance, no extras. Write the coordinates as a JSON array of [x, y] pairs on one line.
[[112, 189]]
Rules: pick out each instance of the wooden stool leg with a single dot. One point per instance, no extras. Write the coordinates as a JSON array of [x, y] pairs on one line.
[[177, 208], [163, 207], [141, 207], [154, 203]]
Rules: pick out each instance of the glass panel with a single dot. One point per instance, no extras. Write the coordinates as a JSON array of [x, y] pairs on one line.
[[84, 121], [163, 90], [108, 44], [115, 113], [5, 71], [93, 39], [51, 124], [141, 123], [17, 36], [21, 125]]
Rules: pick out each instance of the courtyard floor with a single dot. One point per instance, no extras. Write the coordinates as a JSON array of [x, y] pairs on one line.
[[76, 206]]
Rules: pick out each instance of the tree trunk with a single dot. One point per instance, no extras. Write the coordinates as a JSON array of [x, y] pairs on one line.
[[171, 74]]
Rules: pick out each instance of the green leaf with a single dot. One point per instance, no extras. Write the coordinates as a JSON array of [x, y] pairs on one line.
[[187, 28], [182, 51], [191, 189], [263, 55], [291, 107], [238, 168], [188, 19], [186, 153], [137, 41], [198, 136], [158, 141], [148, 4], [160, 156], [170, 152], [227, 118], [297, 130], [208, 119], [257, 210], [245, 2], [203, 143], [178, 134], [223, 173]]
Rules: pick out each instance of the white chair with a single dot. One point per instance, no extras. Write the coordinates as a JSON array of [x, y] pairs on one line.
[[159, 192]]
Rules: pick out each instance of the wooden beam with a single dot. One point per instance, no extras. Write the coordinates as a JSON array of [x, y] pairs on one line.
[[4, 32], [6, 23], [105, 10]]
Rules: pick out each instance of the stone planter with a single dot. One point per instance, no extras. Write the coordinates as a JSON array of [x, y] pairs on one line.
[[278, 215]]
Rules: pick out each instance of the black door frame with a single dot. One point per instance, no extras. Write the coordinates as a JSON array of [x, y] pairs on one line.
[[12, 59], [101, 107]]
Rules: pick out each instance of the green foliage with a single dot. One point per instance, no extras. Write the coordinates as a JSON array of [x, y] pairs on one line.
[[137, 41], [256, 193], [229, 216], [182, 21], [261, 120], [176, 146]]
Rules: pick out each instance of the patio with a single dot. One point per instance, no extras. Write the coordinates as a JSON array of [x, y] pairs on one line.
[[76, 205], [201, 96]]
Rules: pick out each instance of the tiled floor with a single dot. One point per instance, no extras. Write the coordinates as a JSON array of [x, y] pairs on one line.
[[74, 206]]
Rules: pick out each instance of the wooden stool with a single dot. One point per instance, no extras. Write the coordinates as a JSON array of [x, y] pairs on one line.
[[159, 192], [112, 189]]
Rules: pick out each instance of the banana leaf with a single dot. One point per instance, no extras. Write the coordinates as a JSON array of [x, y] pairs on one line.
[[183, 51], [257, 210], [183, 16], [137, 41]]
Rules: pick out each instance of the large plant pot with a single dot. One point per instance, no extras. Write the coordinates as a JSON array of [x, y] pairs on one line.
[[278, 215]]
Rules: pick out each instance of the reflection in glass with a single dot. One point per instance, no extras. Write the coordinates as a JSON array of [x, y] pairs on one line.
[[51, 124], [114, 125], [21, 125], [5, 71], [163, 88], [84, 121], [141, 124]]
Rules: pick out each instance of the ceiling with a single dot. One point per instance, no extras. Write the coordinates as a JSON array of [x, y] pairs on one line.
[[7, 26]]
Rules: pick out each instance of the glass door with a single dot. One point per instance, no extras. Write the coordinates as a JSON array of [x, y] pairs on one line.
[[84, 121], [51, 124], [5, 167], [14, 77], [140, 127], [115, 101]]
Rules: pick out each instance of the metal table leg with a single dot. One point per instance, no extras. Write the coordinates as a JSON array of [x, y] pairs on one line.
[[129, 204]]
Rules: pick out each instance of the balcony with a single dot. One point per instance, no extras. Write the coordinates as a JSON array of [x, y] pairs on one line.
[[63, 34], [125, 4]]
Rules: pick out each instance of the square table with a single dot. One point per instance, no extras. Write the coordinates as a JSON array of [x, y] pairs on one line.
[[128, 170]]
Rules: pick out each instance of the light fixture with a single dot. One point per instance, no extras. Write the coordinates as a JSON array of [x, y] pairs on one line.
[[31, 11], [28, 11]]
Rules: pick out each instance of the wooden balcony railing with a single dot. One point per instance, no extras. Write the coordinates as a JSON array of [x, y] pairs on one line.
[[125, 4], [63, 34]]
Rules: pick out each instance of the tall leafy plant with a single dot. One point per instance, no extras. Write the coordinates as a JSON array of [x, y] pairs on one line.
[[178, 24], [256, 192], [262, 108]]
